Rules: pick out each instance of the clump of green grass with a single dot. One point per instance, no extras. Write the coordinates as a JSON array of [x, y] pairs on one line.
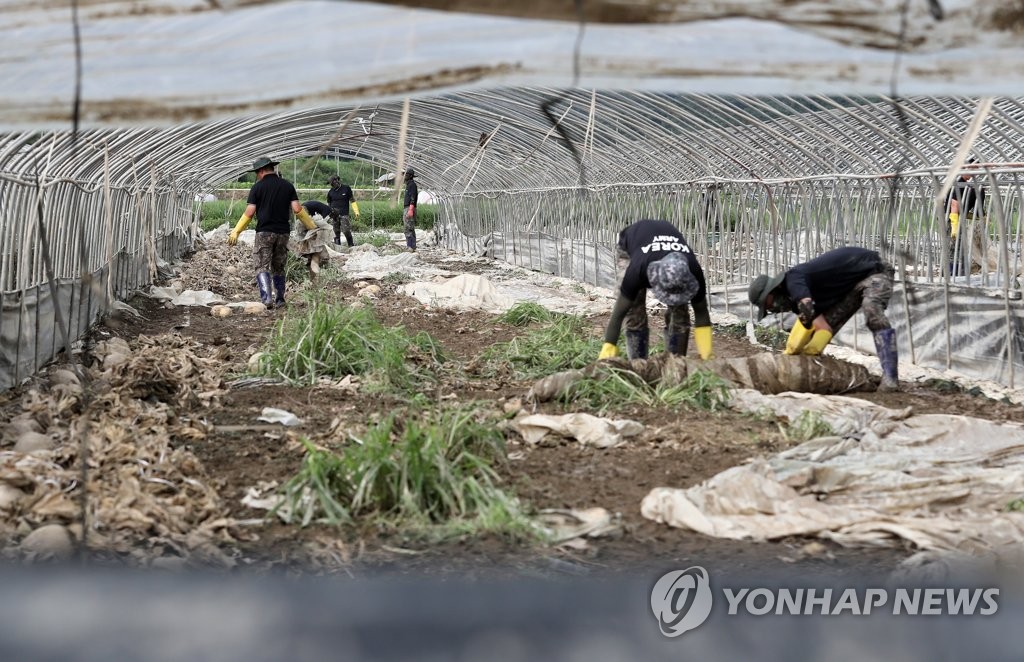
[[526, 313], [808, 425], [334, 340], [376, 239], [295, 269], [737, 331], [615, 388], [428, 471], [564, 344], [771, 336], [1015, 506]]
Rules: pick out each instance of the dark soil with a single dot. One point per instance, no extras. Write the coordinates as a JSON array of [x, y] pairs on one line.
[[679, 448]]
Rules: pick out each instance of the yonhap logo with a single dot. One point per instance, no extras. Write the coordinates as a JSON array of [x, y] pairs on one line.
[[681, 600]]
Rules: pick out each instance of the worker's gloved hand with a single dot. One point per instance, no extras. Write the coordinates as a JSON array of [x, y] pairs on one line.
[[412, 211], [608, 351], [239, 228], [355, 209], [954, 224], [702, 336], [307, 221], [805, 312]]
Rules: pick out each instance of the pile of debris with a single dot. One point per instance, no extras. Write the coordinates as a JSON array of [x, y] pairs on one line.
[[118, 427]]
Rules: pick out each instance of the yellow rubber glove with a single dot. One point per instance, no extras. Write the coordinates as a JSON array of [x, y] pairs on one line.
[[355, 208], [799, 336], [954, 225], [818, 341], [239, 228], [608, 351], [303, 216], [702, 336]]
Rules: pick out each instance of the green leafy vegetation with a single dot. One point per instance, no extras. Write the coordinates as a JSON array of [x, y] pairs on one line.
[[808, 425], [526, 313], [771, 336], [374, 214], [615, 388], [565, 343], [334, 340], [427, 470]]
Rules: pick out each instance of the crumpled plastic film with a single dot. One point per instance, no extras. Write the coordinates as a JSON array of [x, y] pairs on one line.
[[589, 430], [941, 482]]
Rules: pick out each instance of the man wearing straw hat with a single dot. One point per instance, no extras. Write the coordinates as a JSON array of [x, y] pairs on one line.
[[659, 260], [271, 199], [825, 293]]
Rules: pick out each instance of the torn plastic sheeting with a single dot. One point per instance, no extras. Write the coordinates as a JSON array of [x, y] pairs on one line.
[[589, 430], [941, 482], [370, 264], [563, 525], [285, 418], [465, 291], [186, 298]]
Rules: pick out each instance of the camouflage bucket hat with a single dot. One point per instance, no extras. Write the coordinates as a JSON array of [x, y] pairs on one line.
[[671, 280], [263, 162]]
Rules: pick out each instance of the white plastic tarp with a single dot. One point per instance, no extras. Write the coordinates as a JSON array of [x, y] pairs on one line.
[[941, 482]]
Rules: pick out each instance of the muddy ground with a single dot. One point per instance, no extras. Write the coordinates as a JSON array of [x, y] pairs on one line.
[[679, 448]]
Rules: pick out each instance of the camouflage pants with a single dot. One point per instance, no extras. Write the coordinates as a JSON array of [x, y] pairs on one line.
[[677, 318], [870, 295], [342, 225], [270, 252], [409, 227]]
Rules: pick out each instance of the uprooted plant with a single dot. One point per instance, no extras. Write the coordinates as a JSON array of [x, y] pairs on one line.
[[563, 343], [613, 387], [433, 470], [526, 313], [333, 340]]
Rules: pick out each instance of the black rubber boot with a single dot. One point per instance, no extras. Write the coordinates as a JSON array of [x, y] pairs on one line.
[[678, 342], [349, 239], [266, 289], [637, 343], [279, 285], [888, 356]]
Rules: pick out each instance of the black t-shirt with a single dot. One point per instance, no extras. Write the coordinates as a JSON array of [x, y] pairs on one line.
[[970, 195], [649, 241], [829, 277], [411, 192], [339, 198], [273, 197], [317, 207]]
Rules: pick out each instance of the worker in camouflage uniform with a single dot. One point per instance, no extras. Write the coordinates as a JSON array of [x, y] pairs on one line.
[[825, 293], [659, 260], [271, 200], [340, 198]]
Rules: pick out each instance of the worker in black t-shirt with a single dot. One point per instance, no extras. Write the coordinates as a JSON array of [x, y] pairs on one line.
[[409, 209], [965, 202], [659, 260], [317, 207], [271, 200], [340, 198], [825, 293]]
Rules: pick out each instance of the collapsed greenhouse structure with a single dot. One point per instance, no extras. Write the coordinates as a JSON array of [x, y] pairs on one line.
[[161, 438], [545, 179]]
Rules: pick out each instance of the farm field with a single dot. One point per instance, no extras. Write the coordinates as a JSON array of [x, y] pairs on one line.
[[181, 470]]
